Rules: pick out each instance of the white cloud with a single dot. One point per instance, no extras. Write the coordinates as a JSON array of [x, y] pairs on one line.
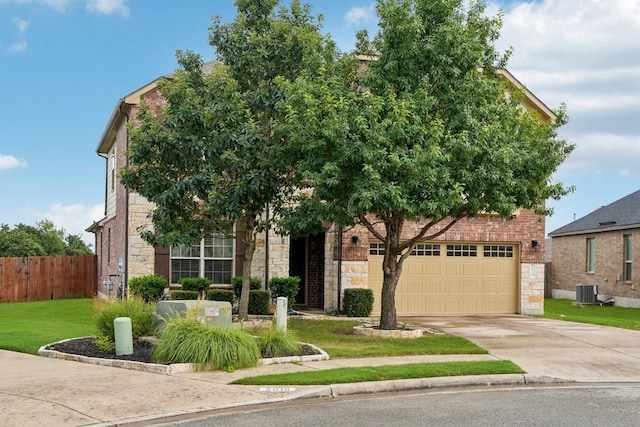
[[360, 15], [11, 162], [586, 54], [108, 7], [20, 24], [59, 5], [18, 47], [598, 153], [73, 218]]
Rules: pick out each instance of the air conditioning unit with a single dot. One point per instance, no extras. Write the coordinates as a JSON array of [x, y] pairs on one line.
[[587, 294]]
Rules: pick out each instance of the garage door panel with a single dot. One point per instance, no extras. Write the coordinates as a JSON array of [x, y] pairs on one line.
[[451, 285]]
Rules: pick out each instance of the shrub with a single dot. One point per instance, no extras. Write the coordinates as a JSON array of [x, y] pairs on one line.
[[236, 282], [259, 302], [358, 302], [105, 343], [184, 340], [198, 284], [285, 287], [220, 295], [275, 343], [149, 288], [182, 295], [143, 321]]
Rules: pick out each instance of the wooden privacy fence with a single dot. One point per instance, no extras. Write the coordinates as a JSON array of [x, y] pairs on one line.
[[47, 277]]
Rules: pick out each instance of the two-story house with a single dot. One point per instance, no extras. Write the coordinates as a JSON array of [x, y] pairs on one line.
[[486, 264]]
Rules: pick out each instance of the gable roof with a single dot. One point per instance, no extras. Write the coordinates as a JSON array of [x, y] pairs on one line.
[[619, 215], [124, 104]]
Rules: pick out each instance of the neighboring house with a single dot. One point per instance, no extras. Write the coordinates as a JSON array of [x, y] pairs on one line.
[[481, 265], [601, 249]]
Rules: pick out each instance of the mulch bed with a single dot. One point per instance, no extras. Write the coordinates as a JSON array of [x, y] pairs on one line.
[[142, 350]]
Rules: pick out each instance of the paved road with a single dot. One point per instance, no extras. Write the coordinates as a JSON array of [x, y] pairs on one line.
[[611, 405]]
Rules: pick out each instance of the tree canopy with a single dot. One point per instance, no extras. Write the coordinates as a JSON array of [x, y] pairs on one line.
[[424, 132], [213, 157], [43, 239]]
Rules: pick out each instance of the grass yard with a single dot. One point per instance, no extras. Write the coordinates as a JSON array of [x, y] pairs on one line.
[[620, 317], [335, 337], [26, 326], [385, 373]]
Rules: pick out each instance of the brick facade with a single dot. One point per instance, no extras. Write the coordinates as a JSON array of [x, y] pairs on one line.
[[569, 265], [117, 236]]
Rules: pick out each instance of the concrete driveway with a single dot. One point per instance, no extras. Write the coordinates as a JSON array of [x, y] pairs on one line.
[[567, 350]]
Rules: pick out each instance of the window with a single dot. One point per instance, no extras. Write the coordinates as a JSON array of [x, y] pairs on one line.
[[591, 255], [112, 168], [212, 258], [462, 250], [628, 257], [498, 251], [376, 248], [426, 249]]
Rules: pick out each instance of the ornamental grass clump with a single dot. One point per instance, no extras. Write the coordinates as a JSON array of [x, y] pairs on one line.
[[276, 343], [185, 340], [143, 320]]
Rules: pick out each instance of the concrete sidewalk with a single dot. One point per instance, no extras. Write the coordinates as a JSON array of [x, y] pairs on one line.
[[44, 391]]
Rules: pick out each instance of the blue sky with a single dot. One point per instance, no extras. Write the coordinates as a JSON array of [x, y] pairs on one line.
[[65, 63]]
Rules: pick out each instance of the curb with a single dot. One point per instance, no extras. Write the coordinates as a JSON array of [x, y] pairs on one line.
[[351, 389], [175, 368]]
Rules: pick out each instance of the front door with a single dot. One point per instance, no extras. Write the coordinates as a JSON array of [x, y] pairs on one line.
[[298, 266]]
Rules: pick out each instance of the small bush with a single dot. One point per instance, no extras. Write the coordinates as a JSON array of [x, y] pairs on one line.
[[143, 321], [358, 302], [254, 284], [259, 302], [198, 284], [104, 343], [150, 288], [184, 340], [285, 287], [275, 343], [183, 295], [220, 295]]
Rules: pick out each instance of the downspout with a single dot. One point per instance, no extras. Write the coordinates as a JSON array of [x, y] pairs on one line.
[[266, 251], [339, 267], [125, 273]]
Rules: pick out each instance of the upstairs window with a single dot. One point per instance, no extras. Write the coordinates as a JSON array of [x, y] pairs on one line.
[[628, 257], [591, 255]]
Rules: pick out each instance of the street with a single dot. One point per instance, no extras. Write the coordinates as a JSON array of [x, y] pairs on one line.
[[576, 405]]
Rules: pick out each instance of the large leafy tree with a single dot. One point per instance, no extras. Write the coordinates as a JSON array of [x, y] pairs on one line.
[[425, 134], [213, 157], [43, 239]]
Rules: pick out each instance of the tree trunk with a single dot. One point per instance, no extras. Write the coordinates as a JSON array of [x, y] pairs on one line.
[[249, 223], [391, 269]]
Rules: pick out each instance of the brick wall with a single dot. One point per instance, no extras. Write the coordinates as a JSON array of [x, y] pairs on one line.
[[522, 228], [569, 263]]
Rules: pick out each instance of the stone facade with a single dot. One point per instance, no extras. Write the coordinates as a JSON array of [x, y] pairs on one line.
[[278, 256], [117, 236]]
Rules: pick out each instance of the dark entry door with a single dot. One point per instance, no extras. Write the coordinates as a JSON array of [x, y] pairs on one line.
[[298, 266]]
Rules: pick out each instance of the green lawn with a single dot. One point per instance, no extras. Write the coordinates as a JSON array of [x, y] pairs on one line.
[[620, 317], [26, 326], [335, 337], [385, 373]]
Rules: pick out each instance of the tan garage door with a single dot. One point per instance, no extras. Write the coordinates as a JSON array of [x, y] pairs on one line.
[[451, 278]]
